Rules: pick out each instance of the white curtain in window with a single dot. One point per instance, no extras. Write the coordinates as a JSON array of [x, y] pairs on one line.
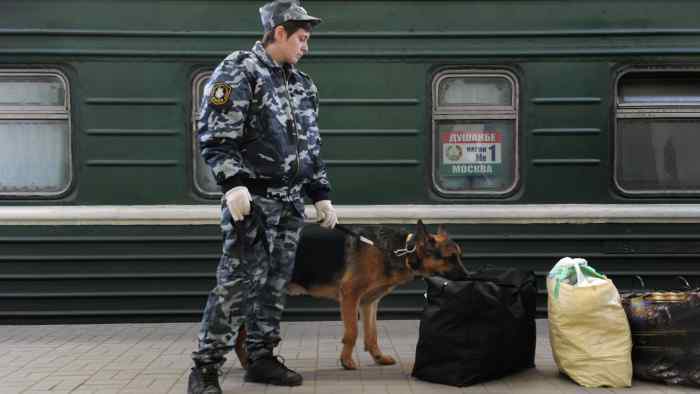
[[33, 155], [31, 91], [475, 91], [660, 90], [203, 175]]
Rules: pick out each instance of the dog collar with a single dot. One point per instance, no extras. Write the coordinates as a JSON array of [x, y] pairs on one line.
[[408, 250]]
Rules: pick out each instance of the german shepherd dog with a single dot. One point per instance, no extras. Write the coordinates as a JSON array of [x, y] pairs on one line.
[[339, 266]]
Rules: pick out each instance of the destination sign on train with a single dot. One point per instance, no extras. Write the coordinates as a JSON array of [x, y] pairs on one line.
[[462, 147]]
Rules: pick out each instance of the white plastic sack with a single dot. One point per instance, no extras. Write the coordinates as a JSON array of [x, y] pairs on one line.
[[588, 329]]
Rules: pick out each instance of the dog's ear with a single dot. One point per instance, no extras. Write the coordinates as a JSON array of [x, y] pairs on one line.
[[441, 232], [422, 238], [421, 231]]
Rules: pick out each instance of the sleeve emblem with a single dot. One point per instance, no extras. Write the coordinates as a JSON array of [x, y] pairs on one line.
[[221, 94]]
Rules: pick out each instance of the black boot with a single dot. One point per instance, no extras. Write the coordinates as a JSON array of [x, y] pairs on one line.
[[204, 379], [270, 370]]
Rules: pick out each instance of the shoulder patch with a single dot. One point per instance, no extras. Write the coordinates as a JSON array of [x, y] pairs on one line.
[[220, 94]]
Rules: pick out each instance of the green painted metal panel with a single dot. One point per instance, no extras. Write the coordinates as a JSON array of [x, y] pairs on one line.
[[142, 273]]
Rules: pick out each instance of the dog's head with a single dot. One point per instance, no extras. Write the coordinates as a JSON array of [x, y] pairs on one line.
[[437, 254]]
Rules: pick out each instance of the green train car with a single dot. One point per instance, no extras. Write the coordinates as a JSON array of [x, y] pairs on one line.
[[534, 129]]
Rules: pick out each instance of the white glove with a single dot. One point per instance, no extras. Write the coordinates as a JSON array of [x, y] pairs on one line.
[[238, 202], [326, 213]]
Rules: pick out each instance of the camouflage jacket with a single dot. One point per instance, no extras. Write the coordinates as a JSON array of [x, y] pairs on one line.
[[258, 128]]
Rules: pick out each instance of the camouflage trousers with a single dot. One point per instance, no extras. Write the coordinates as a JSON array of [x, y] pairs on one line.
[[252, 277]]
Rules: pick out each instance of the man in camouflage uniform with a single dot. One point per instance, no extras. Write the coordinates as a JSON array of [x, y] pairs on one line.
[[258, 132]]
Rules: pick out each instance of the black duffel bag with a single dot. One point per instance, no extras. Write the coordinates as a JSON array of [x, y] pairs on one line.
[[665, 329], [478, 328]]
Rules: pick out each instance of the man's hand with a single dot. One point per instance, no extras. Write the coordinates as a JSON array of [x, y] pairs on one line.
[[326, 213], [238, 202]]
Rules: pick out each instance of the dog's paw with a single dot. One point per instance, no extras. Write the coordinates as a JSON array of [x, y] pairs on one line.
[[348, 363], [383, 359]]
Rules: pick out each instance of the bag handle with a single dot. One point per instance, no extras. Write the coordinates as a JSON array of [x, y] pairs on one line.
[[436, 282], [581, 268], [580, 277], [685, 283]]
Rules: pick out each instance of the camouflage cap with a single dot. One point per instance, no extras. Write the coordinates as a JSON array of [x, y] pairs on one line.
[[280, 11]]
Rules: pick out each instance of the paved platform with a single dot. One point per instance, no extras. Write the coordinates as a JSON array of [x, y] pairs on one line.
[[154, 358]]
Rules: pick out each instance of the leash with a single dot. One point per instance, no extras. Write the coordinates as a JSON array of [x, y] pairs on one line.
[[398, 252], [257, 220], [347, 231], [405, 251], [354, 234]]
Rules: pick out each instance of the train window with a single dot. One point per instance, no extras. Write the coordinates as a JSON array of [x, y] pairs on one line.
[[463, 91], [657, 132], [475, 127], [35, 133], [203, 178]]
